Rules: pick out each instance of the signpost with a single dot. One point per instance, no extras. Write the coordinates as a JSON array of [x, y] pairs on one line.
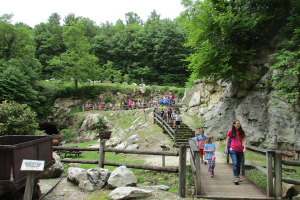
[[31, 166]]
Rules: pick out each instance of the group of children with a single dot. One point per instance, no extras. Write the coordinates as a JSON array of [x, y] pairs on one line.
[[170, 115], [207, 149]]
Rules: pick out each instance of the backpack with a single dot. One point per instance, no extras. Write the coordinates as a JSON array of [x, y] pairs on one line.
[[228, 145]]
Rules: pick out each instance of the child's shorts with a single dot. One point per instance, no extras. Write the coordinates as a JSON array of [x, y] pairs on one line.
[[177, 122], [202, 152]]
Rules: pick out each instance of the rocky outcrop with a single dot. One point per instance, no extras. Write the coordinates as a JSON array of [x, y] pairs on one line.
[[267, 121], [121, 177]]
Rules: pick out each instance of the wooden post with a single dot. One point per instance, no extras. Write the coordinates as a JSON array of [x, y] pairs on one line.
[[29, 185], [145, 115], [278, 175], [198, 173], [270, 189], [163, 157], [297, 155], [182, 170], [101, 154], [243, 165]]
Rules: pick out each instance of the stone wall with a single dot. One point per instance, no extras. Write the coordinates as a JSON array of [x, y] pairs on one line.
[[268, 122]]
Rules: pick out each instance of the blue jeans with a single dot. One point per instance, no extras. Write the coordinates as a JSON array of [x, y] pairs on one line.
[[236, 162], [170, 103]]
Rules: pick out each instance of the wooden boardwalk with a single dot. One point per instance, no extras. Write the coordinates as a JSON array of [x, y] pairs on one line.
[[221, 186]]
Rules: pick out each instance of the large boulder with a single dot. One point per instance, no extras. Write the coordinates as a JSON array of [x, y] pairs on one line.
[[132, 139], [121, 177], [91, 179], [55, 170], [129, 193]]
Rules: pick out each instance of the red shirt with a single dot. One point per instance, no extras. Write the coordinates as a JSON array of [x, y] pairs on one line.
[[236, 143]]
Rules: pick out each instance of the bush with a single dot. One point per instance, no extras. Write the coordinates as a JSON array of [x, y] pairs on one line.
[[17, 119], [100, 125], [68, 134]]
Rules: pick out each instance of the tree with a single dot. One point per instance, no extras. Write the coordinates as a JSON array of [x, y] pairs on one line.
[[15, 41], [76, 62], [133, 18], [17, 119], [222, 34]]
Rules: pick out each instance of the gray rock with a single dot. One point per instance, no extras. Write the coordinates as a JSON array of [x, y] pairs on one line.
[[121, 146], [112, 142], [132, 147], [125, 83], [129, 193], [89, 180], [121, 177], [132, 138], [133, 84], [163, 187], [55, 170]]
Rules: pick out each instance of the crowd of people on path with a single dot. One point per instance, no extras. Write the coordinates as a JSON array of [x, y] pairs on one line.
[[123, 105], [235, 146]]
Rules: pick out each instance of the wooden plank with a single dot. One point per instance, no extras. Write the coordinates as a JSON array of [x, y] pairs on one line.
[[160, 153], [291, 162], [278, 174], [193, 147], [270, 189], [258, 150], [182, 171], [221, 186], [291, 181], [264, 170], [198, 173]]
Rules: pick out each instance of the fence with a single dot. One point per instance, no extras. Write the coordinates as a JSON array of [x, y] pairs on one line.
[[271, 155], [101, 162], [105, 107], [165, 126]]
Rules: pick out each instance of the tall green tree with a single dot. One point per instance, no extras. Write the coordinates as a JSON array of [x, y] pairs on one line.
[[76, 62]]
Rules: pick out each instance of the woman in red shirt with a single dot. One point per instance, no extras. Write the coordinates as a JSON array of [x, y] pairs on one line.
[[237, 148]]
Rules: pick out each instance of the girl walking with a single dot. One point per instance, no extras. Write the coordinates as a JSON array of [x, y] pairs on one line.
[[237, 148], [210, 149]]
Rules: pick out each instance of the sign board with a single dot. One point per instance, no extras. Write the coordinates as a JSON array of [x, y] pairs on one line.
[[32, 165]]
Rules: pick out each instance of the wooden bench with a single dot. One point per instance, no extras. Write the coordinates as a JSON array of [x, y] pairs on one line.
[[69, 152]]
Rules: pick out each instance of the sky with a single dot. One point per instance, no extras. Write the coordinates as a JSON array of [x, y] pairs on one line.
[[32, 12]]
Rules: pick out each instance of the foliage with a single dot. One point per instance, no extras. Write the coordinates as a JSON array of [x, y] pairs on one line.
[[108, 98], [68, 134], [76, 63], [17, 119], [100, 125], [79, 121], [287, 69]]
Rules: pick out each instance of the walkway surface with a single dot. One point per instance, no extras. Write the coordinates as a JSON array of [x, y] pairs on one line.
[[221, 186]]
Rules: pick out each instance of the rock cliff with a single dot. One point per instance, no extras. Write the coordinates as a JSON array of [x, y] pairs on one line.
[[268, 121]]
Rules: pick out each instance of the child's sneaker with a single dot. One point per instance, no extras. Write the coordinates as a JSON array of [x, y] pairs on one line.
[[213, 172], [211, 175], [205, 162], [201, 161]]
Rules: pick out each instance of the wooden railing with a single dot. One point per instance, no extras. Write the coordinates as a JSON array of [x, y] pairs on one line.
[[275, 191], [101, 162], [195, 166], [165, 126]]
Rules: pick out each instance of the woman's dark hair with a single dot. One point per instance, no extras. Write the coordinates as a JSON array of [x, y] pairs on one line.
[[233, 130]]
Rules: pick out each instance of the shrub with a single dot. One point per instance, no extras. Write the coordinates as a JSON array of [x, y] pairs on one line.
[[17, 119], [68, 134], [100, 125]]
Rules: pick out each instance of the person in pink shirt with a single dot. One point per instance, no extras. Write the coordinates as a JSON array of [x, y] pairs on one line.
[[129, 104], [237, 148], [170, 99]]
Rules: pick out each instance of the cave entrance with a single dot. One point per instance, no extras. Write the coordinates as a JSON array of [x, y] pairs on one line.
[[48, 128]]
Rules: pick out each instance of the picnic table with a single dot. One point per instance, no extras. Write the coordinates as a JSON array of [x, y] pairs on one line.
[[61, 152]]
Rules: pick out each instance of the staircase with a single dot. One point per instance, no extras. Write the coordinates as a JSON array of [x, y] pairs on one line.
[[179, 137]]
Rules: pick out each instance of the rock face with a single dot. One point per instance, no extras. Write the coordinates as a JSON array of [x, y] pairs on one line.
[[267, 121], [54, 171], [121, 177], [88, 180], [129, 193]]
